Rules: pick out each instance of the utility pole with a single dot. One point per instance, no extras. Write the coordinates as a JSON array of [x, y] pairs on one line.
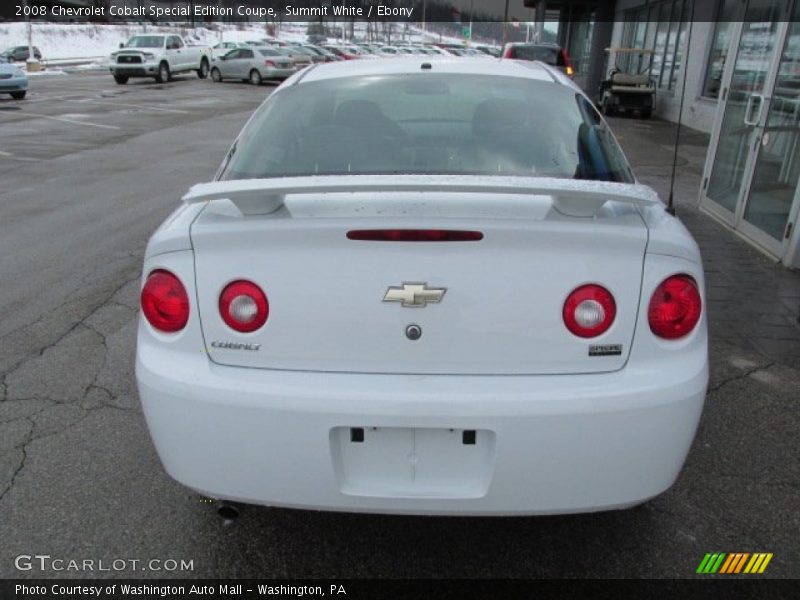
[[32, 64], [471, 3]]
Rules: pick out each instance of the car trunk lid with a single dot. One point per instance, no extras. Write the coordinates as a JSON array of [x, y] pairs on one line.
[[500, 298]]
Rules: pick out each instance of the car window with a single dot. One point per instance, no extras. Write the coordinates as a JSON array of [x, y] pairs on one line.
[[269, 52], [546, 54], [145, 41], [600, 157], [236, 53], [428, 123]]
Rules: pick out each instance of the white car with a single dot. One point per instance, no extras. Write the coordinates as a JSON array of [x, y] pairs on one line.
[[158, 56], [253, 64], [424, 286]]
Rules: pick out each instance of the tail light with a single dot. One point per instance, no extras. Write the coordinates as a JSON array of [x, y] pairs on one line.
[[164, 301], [414, 235], [243, 306], [269, 63], [589, 310], [675, 307], [567, 63], [507, 53]]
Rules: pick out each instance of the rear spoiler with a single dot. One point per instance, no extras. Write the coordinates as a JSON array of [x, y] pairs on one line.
[[573, 197]]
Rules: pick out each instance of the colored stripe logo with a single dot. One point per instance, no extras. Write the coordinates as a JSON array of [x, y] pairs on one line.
[[734, 563]]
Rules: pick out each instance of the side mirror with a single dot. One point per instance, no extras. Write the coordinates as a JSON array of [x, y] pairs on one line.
[[122, 44], [223, 58]]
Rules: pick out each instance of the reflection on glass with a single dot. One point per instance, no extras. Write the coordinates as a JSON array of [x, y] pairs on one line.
[[778, 167], [753, 59], [719, 48]]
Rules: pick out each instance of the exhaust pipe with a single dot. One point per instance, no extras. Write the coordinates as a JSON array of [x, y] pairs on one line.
[[228, 513]]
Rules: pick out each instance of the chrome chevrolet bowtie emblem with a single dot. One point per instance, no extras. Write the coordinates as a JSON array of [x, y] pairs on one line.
[[415, 295]]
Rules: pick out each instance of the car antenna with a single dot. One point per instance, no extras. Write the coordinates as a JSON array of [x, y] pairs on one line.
[[670, 201]]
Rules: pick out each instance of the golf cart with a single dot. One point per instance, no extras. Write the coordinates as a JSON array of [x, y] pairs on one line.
[[629, 89]]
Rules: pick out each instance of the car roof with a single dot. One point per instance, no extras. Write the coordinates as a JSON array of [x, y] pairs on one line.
[[439, 64], [535, 44]]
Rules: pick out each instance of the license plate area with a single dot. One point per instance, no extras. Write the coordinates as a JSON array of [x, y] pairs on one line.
[[413, 462]]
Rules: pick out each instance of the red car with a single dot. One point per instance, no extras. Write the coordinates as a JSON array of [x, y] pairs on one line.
[[550, 54]]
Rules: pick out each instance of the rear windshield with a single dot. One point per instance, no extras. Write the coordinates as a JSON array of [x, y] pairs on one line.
[[427, 123], [546, 54]]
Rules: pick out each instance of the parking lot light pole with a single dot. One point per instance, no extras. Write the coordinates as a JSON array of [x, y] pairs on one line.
[[31, 63]]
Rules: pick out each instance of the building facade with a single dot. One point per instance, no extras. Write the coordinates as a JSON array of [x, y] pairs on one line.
[[740, 63], [735, 64]]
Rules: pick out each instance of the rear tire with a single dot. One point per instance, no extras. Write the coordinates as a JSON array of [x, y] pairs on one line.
[[121, 79], [19, 95], [202, 72], [163, 73], [255, 77], [216, 76]]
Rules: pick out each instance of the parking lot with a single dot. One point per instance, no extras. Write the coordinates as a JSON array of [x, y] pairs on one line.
[[90, 168]]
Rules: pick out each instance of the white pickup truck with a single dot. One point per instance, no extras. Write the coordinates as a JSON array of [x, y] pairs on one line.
[[158, 56]]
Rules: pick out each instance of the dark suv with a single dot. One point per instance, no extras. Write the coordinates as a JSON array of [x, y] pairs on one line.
[[20, 53], [550, 54]]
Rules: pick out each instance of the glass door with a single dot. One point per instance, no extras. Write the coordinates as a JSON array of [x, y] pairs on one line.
[[745, 96], [772, 201]]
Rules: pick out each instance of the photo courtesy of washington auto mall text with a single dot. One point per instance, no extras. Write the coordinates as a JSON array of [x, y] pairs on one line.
[[399, 298]]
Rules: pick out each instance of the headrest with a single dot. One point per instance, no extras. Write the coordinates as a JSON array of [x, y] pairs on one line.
[[498, 115]]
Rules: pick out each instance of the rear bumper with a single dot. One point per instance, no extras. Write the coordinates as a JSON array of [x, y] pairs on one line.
[[545, 444], [278, 73]]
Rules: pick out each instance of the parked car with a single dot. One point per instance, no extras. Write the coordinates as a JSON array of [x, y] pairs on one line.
[[551, 54], [299, 58], [223, 48], [160, 57], [494, 51], [13, 80], [20, 53], [427, 291], [315, 56], [341, 52], [327, 55], [252, 64]]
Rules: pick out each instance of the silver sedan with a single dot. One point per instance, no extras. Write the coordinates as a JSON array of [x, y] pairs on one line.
[[252, 64]]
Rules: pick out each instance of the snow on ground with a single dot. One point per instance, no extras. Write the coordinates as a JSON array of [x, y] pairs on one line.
[[60, 41], [70, 43], [46, 73]]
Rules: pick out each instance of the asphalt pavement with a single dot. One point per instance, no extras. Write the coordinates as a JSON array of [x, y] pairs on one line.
[[90, 168]]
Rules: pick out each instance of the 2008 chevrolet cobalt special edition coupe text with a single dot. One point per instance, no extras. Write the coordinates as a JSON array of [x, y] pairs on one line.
[[424, 286]]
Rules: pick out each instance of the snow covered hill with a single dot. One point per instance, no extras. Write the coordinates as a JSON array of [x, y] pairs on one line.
[[59, 41]]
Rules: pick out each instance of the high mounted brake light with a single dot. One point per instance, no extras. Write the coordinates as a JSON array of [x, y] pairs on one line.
[[414, 235]]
